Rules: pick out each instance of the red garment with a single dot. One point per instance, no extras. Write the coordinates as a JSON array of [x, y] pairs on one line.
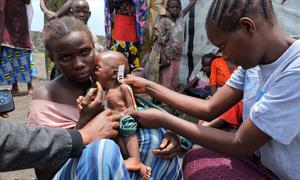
[[14, 24], [125, 28], [233, 115], [219, 72]]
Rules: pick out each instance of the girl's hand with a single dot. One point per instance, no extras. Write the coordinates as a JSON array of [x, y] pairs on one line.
[[149, 118], [138, 84], [91, 105], [170, 146]]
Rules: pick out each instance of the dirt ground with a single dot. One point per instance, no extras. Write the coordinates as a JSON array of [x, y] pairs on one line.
[[19, 115]]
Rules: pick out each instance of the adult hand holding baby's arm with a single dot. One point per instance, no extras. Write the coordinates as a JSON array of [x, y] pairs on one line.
[[90, 105]]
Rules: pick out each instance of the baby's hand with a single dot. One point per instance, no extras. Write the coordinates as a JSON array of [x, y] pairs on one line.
[[91, 104], [79, 101]]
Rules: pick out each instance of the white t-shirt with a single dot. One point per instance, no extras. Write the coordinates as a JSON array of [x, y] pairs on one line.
[[275, 109]]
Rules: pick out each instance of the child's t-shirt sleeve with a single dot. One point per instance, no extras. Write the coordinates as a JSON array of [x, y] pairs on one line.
[[277, 111]]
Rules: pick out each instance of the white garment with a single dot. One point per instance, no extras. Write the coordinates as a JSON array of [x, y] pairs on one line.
[[30, 12], [277, 111]]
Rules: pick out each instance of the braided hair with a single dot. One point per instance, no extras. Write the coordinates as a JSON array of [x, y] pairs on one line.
[[227, 13]]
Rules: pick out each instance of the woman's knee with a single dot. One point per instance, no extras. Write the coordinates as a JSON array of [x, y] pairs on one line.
[[150, 138], [103, 144], [103, 151]]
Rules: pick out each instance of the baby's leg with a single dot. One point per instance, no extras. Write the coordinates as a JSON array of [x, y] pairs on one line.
[[121, 143], [133, 162]]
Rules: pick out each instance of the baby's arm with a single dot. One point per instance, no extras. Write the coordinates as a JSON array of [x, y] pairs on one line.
[[126, 96]]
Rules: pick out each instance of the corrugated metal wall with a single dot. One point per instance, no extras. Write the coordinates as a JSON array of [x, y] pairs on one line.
[[196, 43]]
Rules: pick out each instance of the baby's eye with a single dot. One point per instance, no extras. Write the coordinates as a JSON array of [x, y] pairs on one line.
[[97, 68]]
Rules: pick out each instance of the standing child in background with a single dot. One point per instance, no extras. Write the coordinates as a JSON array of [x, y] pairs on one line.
[[124, 28], [53, 9], [164, 59], [80, 9], [16, 53], [118, 99]]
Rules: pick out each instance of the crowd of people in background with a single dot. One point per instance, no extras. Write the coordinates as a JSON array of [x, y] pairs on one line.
[[92, 100]]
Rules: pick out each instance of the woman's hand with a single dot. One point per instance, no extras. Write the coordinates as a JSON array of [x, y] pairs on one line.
[[103, 126], [138, 84], [169, 147], [90, 105], [149, 118]]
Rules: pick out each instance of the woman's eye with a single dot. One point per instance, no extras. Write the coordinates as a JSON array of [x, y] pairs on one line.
[[66, 58], [85, 52]]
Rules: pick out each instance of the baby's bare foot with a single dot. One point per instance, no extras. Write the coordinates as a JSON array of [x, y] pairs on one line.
[[132, 164], [145, 171]]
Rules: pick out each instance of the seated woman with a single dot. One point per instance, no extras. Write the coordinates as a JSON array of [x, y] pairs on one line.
[[70, 45]]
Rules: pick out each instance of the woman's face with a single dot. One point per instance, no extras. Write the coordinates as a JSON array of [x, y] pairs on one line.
[[243, 47], [74, 54]]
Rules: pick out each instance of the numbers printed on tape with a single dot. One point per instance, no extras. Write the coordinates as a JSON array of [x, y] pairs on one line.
[[121, 72]]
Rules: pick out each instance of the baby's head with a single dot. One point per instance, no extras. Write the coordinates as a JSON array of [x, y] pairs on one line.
[[242, 29], [174, 8], [107, 65], [206, 63], [70, 45], [81, 10]]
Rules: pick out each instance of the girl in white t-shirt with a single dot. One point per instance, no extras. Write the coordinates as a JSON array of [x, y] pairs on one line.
[[249, 35]]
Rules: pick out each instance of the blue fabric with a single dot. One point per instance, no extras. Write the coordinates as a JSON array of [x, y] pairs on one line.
[[103, 160], [99, 160], [16, 65]]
